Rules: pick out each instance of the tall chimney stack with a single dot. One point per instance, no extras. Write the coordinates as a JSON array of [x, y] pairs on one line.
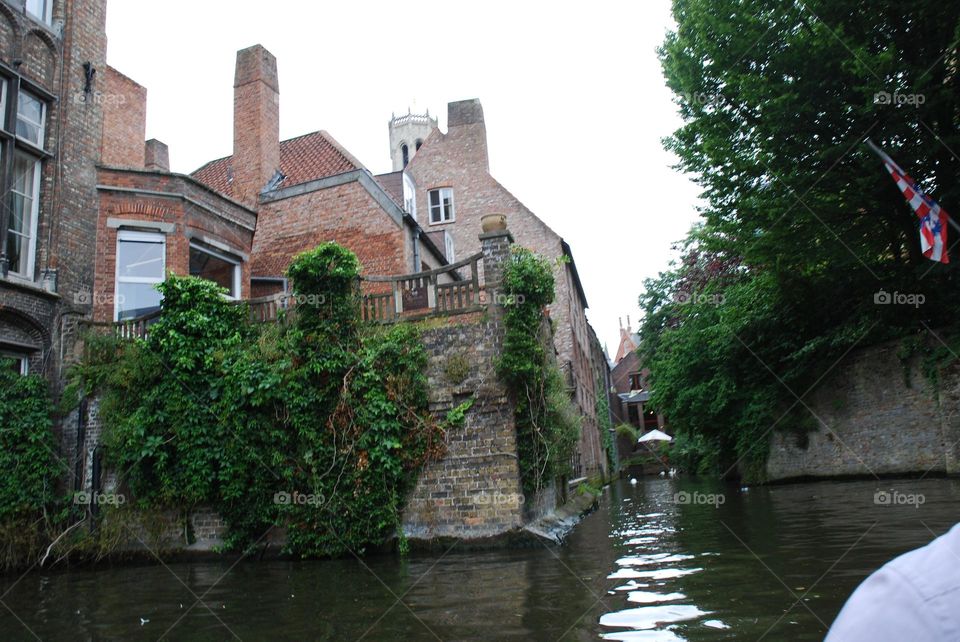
[[256, 123], [465, 123]]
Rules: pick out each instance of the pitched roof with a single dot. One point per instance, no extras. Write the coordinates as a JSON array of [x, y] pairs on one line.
[[302, 159], [629, 341], [392, 184]]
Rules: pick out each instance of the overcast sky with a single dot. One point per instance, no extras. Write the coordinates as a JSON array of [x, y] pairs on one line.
[[573, 96]]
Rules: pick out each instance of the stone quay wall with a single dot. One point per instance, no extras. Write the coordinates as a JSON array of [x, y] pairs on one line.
[[872, 420]]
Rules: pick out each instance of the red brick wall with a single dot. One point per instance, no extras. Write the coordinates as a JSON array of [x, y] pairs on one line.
[[620, 379], [124, 120], [346, 214], [186, 218], [458, 159]]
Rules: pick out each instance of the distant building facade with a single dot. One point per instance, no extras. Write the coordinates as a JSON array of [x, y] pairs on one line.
[[630, 391], [453, 188], [306, 190]]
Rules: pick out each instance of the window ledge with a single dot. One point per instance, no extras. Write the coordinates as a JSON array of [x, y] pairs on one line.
[[27, 286], [31, 148]]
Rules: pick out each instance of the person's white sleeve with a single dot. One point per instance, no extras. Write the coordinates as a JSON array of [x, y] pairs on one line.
[[887, 607]]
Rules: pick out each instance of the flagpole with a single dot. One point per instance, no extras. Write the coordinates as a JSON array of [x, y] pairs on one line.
[[883, 156]]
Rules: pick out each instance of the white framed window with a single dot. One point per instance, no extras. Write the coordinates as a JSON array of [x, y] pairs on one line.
[[219, 267], [40, 9], [31, 112], [141, 263], [448, 250], [441, 205], [24, 213], [409, 196]]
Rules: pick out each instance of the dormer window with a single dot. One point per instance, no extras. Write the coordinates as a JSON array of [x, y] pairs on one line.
[[448, 247], [441, 206], [409, 196]]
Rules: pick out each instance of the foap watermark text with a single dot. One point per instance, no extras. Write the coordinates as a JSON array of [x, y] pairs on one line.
[[697, 498]]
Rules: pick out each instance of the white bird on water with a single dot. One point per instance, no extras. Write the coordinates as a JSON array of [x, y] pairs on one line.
[[633, 481]]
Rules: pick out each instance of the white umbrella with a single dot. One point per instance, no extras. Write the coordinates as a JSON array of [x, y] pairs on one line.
[[655, 435]]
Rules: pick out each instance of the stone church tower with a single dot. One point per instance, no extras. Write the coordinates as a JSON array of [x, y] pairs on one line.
[[407, 133]]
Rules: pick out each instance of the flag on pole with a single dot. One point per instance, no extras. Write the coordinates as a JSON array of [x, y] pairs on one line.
[[933, 219]]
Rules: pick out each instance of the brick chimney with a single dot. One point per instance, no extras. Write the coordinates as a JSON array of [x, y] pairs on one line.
[[465, 124], [156, 156], [256, 123]]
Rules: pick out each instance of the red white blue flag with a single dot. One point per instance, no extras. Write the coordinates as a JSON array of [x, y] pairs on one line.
[[933, 219]]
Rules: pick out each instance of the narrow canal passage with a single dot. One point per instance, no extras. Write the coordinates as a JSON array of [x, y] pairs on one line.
[[771, 563]]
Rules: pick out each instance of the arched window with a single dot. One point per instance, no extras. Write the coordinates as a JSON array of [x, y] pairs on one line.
[[419, 142], [405, 151]]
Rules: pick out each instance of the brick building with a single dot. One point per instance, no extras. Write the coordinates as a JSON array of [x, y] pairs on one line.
[[153, 222], [630, 390], [451, 188], [307, 190], [52, 62]]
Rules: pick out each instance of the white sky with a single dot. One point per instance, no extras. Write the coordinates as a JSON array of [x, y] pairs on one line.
[[573, 96]]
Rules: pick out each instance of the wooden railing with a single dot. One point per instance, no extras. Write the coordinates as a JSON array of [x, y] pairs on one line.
[[409, 296], [264, 309], [135, 328], [422, 294]]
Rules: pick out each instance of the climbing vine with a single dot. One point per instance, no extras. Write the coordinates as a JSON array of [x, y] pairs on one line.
[[604, 424], [548, 425], [31, 467], [27, 445], [318, 425]]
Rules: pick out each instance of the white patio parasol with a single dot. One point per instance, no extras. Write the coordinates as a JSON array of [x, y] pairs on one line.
[[655, 435]]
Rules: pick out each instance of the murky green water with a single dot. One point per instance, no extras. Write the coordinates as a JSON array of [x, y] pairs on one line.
[[770, 563]]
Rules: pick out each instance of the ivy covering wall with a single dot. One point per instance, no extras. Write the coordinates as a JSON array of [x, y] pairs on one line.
[[28, 459], [548, 425], [318, 426]]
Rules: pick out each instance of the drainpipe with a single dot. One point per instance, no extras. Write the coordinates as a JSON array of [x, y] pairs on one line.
[[416, 251]]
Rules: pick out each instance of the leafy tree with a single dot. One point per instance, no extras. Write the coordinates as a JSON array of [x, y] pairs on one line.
[[802, 227]]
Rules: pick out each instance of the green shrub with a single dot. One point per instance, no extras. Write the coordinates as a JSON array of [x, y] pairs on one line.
[[251, 420]]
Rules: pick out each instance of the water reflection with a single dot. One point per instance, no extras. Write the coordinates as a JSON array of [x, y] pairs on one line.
[[771, 563], [775, 563]]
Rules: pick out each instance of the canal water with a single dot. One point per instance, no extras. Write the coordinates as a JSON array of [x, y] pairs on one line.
[[661, 560]]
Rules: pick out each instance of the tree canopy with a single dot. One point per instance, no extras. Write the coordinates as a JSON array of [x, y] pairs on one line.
[[802, 230]]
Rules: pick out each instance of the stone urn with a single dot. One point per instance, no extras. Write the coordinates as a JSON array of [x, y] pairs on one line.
[[493, 222]]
